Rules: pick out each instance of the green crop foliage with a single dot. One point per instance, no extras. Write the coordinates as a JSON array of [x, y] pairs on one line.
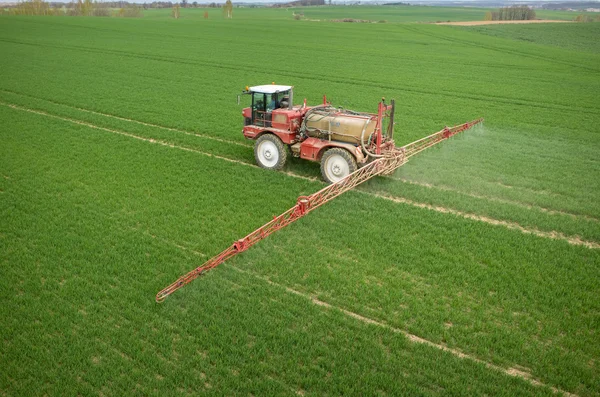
[[576, 37], [123, 166]]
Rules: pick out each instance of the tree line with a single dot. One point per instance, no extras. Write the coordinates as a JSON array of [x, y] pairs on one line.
[[105, 8], [512, 13], [227, 10], [86, 8], [587, 18]]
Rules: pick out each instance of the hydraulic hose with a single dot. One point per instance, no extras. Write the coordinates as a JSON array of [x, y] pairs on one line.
[[362, 141]]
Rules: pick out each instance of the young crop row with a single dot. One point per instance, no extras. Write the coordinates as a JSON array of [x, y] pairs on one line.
[[120, 207], [445, 162], [325, 15], [407, 51], [232, 236], [581, 37], [123, 166]]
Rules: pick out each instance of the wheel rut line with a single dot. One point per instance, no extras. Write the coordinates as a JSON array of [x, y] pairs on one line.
[[204, 136], [512, 202], [517, 203], [161, 127], [554, 235], [123, 133], [503, 49], [167, 241], [510, 225], [427, 185], [150, 140], [327, 78], [496, 199], [411, 337], [297, 47]]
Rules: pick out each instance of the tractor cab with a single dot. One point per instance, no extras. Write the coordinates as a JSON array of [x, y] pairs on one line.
[[266, 99]]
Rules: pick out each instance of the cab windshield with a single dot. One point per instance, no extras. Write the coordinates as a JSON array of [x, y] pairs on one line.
[[263, 104]]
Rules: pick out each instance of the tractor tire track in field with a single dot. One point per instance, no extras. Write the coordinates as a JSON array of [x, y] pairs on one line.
[[498, 49], [130, 135], [212, 138], [495, 199], [574, 240], [321, 77], [509, 225], [413, 338], [324, 48], [297, 48], [427, 185], [514, 372], [190, 133]]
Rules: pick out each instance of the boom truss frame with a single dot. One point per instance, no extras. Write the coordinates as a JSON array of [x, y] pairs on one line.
[[386, 165]]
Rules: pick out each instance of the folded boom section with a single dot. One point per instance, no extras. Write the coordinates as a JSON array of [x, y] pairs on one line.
[[382, 166]]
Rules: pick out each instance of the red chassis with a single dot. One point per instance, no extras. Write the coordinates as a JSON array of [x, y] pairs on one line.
[[285, 124]]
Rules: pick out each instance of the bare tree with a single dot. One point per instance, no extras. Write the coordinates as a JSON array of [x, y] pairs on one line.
[[228, 9]]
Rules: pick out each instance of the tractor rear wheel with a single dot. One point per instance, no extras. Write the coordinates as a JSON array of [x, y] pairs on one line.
[[270, 152], [337, 163]]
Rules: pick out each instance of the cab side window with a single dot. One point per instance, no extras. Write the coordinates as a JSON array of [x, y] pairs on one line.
[[272, 103]]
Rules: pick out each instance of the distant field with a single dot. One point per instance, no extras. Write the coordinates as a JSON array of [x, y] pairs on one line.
[[473, 270], [516, 22], [575, 37], [390, 14], [396, 13], [374, 13], [417, 13]]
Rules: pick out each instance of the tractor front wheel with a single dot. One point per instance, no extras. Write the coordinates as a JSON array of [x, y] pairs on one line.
[[336, 164], [270, 152]]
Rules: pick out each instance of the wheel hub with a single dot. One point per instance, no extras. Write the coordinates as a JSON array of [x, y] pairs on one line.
[[267, 153], [337, 170]]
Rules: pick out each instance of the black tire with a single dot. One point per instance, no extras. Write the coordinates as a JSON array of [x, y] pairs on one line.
[[270, 152], [336, 164]]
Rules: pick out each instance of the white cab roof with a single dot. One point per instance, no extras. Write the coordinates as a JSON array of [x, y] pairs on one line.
[[270, 88]]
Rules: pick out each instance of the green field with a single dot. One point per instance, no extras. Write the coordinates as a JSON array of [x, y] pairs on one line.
[[575, 37], [416, 14], [388, 14], [473, 270]]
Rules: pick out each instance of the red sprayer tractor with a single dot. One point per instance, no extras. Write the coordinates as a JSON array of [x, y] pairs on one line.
[[352, 147], [341, 140]]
